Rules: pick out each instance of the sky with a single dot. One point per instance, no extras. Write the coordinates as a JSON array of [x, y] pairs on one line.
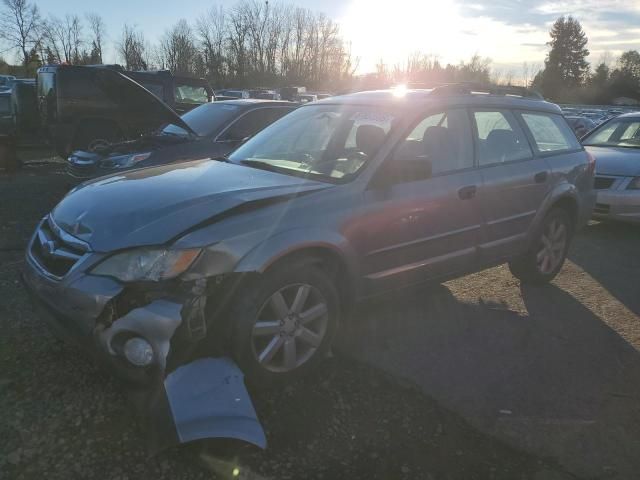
[[510, 32]]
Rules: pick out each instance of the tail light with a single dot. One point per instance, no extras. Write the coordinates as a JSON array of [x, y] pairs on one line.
[[591, 164]]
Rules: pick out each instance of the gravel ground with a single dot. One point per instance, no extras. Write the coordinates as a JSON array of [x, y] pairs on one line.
[[60, 417]]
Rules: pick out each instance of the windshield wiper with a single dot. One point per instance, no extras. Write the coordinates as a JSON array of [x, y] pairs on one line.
[[261, 165]]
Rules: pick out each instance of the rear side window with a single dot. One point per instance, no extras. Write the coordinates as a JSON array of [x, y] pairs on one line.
[[499, 138], [190, 94], [550, 132], [45, 83]]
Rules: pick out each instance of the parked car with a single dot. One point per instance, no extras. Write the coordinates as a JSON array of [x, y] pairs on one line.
[[616, 146], [233, 94], [179, 92], [306, 98], [212, 130], [6, 81], [264, 94], [84, 106], [580, 125], [259, 256], [25, 110], [291, 93], [7, 116]]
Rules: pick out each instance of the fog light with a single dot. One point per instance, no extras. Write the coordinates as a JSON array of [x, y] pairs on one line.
[[138, 351]]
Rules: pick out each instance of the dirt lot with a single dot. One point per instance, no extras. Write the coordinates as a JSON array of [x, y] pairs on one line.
[[62, 418]]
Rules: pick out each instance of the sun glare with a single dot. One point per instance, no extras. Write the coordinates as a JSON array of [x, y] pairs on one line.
[[394, 30]]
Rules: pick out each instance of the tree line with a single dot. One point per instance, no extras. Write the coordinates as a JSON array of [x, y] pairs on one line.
[[267, 43], [567, 75], [252, 43]]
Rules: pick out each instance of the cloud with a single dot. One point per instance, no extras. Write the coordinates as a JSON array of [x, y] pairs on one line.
[[610, 25]]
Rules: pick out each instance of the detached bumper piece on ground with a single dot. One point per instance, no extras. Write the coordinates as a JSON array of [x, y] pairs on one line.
[[194, 398]]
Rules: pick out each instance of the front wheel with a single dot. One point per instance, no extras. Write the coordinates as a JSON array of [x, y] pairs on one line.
[[545, 258], [284, 323]]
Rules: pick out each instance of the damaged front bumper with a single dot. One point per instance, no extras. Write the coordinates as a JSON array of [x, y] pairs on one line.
[[198, 397]]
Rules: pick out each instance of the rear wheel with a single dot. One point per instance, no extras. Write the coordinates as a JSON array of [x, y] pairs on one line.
[[284, 323], [545, 258]]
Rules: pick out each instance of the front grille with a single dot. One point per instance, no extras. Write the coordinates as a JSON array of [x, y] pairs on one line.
[[54, 253], [602, 208], [602, 183]]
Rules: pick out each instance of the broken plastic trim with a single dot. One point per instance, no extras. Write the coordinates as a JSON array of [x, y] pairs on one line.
[[207, 399]]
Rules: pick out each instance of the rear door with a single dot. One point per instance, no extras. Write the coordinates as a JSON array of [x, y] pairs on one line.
[[514, 182]]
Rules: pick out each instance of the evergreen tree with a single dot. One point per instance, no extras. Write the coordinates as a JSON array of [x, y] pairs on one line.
[[566, 66]]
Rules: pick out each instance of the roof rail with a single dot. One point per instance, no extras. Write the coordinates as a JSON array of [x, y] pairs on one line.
[[469, 87]]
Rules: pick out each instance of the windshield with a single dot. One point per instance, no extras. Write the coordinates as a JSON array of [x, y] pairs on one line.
[[205, 120], [329, 141], [621, 132]]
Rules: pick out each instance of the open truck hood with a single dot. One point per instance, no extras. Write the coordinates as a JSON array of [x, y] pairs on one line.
[[152, 206], [129, 95]]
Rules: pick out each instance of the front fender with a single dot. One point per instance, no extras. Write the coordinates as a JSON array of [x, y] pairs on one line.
[[260, 258]]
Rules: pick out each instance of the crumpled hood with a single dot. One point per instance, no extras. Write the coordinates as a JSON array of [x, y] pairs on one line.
[[151, 206], [616, 161]]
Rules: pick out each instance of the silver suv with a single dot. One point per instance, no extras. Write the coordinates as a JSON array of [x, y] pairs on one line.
[[259, 256]]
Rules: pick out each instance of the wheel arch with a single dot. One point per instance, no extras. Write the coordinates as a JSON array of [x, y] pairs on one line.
[[330, 251]]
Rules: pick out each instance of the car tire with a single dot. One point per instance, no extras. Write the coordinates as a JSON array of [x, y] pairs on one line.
[[546, 256], [274, 342]]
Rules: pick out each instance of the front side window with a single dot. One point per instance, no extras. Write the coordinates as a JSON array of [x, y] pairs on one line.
[[550, 132], [324, 141], [443, 139], [499, 138], [620, 132]]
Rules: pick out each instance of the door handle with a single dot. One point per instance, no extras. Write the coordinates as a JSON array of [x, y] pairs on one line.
[[465, 193], [541, 177]]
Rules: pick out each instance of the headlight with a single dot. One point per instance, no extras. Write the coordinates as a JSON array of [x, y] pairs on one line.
[[634, 184], [138, 157], [146, 264]]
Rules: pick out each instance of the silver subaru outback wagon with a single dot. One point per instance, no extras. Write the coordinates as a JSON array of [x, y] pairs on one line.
[[258, 256]]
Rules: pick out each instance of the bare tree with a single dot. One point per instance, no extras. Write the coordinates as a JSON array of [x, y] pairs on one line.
[[20, 24], [212, 33], [98, 34], [133, 49], [63, 38], [178, 49]]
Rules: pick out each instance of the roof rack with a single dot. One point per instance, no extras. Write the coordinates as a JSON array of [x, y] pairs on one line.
[[469, 88]]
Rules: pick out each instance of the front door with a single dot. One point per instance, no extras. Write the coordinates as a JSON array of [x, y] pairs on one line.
[[426, 225]]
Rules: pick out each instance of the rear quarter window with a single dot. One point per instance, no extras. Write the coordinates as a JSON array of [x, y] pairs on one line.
[[550, 132]]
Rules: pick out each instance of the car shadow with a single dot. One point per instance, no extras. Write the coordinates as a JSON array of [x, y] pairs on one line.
[[559, 365], [610, 253]]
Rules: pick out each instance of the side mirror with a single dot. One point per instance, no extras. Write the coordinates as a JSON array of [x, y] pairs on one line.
[[402, 167]]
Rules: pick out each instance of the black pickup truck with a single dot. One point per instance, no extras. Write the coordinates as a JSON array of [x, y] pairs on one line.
[[81, 107]]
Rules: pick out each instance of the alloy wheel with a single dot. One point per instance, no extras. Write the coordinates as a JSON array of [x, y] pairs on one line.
[[553, 244], [290, 327]]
